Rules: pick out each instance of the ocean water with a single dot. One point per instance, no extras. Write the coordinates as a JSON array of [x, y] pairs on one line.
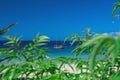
[[53, 52]]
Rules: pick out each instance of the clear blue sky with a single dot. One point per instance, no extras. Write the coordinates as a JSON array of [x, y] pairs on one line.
[[57, 18]]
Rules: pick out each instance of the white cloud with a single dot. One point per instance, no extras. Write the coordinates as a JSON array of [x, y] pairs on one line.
[[110, 34], [105, 33]]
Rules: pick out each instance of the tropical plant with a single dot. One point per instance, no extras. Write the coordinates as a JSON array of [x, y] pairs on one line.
[[116, 8], [75, 38], [87, 34], [31, 59], [101, 45], [6, 28], [2, 32]]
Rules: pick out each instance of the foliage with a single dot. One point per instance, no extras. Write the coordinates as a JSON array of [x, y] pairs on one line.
[[30, 62], [6, 28], [33, 63], [116, 8], [75, 38], [100, 44], [31, 59]]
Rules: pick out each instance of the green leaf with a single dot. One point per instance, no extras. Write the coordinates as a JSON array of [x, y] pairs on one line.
[[116, 8]]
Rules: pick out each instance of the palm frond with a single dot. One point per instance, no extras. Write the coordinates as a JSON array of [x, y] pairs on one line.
[[116, 8], [73, 38], [7, 28]]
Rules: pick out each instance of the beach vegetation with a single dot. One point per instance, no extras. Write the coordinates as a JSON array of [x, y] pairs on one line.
[[116, 8], [31, 61]]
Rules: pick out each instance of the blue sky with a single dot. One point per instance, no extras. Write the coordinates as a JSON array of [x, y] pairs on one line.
[[57, 18]]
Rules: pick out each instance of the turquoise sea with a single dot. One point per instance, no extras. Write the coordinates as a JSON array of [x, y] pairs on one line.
[[53, 52]]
